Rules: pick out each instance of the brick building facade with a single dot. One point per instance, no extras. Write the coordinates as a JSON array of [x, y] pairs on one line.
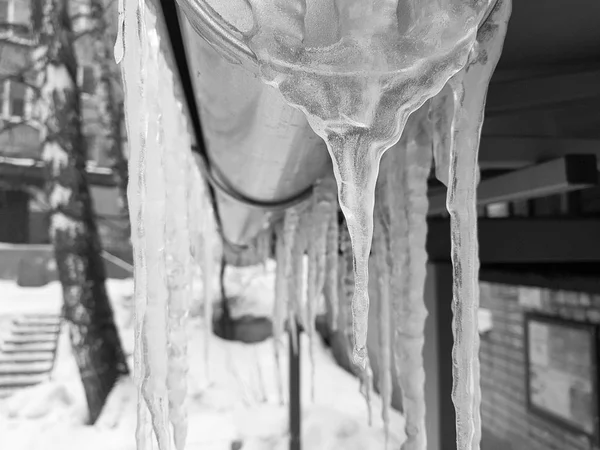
[[508, 423]]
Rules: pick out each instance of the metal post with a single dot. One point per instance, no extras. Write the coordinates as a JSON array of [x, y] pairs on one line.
[[295, 402]]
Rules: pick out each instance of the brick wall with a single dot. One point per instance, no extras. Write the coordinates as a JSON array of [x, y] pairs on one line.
[[507, 423]]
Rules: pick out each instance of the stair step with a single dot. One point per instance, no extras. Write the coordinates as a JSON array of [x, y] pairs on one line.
[[40, 315], [25, 368], [31, 357], [36, 347], [30, 339], [28, 331], [13, 381], [37, 321]]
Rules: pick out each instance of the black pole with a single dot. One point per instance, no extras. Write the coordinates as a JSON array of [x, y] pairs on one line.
[[295, 410]]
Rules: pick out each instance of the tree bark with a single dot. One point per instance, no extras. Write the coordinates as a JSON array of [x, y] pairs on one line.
[[94, 337]]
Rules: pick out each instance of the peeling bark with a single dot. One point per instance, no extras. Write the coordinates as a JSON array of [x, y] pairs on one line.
[[94, 337]]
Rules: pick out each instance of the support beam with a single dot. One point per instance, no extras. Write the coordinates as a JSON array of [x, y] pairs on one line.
[[569, 173], [519, 152], [524, 241], [534, 93], [437, 359]]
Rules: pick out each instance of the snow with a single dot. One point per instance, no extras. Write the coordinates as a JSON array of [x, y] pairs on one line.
[[240, 403]]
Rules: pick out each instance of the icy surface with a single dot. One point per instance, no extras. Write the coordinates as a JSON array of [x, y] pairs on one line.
[[469, 88]]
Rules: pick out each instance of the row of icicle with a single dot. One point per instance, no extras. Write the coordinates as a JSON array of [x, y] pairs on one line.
[[172, 226], [167, 189]]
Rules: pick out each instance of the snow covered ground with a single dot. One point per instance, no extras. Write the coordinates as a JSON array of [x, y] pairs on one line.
[[239, 400]]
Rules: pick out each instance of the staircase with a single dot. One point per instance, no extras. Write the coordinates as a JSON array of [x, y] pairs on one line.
[[27, 351]]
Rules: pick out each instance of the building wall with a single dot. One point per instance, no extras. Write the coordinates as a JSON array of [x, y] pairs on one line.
[[15, 55], [507, 423]]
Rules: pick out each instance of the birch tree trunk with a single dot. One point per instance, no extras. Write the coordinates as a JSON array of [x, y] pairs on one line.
[[94, 337]]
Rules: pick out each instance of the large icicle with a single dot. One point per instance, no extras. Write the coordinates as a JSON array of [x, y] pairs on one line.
[[470, 89], [140, 69], [162, 181], [134, 79], [154, 327], [178, 166]]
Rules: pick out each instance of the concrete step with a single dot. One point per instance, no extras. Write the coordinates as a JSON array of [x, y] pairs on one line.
[[16, 381], [25, 368], [28, 331], [29, 321], [36, 347], [30, 357], [29, 339]]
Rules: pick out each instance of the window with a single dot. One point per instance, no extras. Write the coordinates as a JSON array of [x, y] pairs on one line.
[[14, 100], [86, 78], [15, 17], [4, 11], [2, 98]]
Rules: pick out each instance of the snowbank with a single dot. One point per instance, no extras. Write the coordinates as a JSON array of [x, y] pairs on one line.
[[234, 397]]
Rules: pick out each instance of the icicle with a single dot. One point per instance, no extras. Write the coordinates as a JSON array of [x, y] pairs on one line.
[[178, 255], [154, 387], [381, 250], [412, 330], [331, 265], [203, 235], [207, 264], [311, 288], [146, 208], [470, 89], [402, 212], [318, 224], [119, 48], [134, 79], [280, 305], [293, 269]]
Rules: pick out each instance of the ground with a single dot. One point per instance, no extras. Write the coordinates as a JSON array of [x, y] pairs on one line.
[[233, 397]]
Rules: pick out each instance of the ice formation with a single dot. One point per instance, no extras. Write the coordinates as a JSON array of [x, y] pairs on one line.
[[304, 230], [358, 93], [377, 65], [170, 223], [469, 88]]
